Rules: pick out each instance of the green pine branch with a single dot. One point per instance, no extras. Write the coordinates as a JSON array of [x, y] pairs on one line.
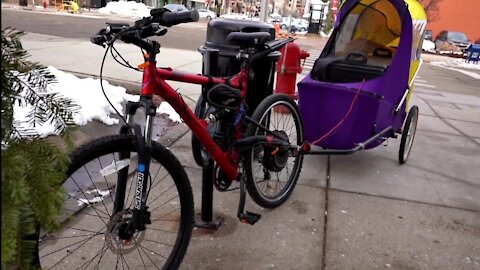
[[32, 169]]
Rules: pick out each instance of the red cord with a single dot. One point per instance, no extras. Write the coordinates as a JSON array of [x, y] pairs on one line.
[[343, 119]]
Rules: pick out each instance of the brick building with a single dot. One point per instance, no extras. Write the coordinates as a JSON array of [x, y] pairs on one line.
[[455, 15]]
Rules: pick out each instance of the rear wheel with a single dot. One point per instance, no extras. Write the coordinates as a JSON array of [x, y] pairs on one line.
[[272, 174], [408, 134], [93, 237]]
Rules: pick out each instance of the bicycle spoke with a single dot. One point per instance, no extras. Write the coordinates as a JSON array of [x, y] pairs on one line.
[[157, 242], [87, 200], [148, 257], [97, 254], [84, 230], [95, 186], [66, 237], [159, 218], [153, 251], [139, 253], [104, 177], [55, 251], [162, 193], [124, 261], [116, 264], [86, 214], [96, 210], [70, 253], [176, 196]]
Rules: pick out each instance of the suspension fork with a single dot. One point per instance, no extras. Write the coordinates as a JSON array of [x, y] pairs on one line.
[[143, 146]]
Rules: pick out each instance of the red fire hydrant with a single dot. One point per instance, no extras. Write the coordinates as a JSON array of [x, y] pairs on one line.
[[287, 68]]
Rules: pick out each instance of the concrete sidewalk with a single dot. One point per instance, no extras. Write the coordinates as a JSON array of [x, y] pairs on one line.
[[362, 211]]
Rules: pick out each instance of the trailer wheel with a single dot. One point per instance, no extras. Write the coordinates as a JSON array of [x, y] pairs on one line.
[[408, 134]]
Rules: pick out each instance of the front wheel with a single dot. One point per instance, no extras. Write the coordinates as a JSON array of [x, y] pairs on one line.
[[94, 237], [408, 134], [272, 174]]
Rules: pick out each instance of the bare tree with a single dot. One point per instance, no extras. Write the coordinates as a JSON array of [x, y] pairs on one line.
[[432, 9]]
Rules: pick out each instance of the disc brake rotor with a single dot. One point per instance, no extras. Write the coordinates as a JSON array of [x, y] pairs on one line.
[[116, 226]]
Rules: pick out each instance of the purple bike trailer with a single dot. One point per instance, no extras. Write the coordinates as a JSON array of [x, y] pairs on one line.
[[380, 33]]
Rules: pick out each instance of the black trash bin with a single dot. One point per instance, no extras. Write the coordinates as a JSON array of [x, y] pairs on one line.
[[219, 57]]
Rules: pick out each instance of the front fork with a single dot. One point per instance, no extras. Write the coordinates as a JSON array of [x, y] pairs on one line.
[[143, 145]]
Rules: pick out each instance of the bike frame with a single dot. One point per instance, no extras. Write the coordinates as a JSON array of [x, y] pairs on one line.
[[153, 82]]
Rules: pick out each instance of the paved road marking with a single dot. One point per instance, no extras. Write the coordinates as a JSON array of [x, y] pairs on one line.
[[310, 61], [424, 85]]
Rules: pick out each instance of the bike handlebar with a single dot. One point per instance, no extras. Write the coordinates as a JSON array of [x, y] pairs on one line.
[[145, 27], [173, 18]]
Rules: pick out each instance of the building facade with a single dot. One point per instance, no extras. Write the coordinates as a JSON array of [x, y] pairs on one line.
[[455, 15]]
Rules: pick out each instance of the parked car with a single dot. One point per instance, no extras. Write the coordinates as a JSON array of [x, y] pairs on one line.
[[275, 18], [297, 24], [302, 25], [428, 35], [175, 7], [454, 42], [206, 14], [236, 16]]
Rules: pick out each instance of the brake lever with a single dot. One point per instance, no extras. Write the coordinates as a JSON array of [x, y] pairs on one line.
[[153, 29]]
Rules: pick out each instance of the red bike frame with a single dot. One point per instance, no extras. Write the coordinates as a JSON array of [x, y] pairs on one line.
[[153, 82]]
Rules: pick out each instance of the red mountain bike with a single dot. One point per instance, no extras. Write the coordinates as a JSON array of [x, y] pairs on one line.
[[129, 202]]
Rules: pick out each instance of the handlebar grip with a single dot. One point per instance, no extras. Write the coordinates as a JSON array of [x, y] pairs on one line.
[[98, 39], [172, 18]]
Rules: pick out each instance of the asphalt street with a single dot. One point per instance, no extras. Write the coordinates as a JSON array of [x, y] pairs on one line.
[[186, 37], [191, 36]]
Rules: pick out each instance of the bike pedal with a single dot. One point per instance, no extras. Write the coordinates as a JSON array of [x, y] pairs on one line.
[[249, 217]]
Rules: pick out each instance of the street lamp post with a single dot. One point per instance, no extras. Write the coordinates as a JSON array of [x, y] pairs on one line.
[[264, 11]]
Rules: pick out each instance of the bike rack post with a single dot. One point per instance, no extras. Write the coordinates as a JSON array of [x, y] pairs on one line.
[[205, 218]]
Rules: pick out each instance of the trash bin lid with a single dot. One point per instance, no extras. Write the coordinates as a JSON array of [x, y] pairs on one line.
[[218, 30]]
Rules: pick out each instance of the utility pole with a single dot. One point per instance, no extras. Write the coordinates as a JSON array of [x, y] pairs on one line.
[[264, 11]]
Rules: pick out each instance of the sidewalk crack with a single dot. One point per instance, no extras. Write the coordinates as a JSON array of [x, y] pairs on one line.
[[325, 219]]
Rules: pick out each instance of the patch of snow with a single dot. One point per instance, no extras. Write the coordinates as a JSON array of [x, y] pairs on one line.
[[89, 202], [323, 34], [86, 93], [457, 63], [167, 109], [102, 193], [460, 65], [126, 8], [428, 46]]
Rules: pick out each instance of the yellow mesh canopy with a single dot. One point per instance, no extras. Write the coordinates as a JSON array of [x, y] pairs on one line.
[[372, 24]]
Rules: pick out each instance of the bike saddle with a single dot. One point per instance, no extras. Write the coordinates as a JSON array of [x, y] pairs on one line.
[[224, 96], [249, 39]]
